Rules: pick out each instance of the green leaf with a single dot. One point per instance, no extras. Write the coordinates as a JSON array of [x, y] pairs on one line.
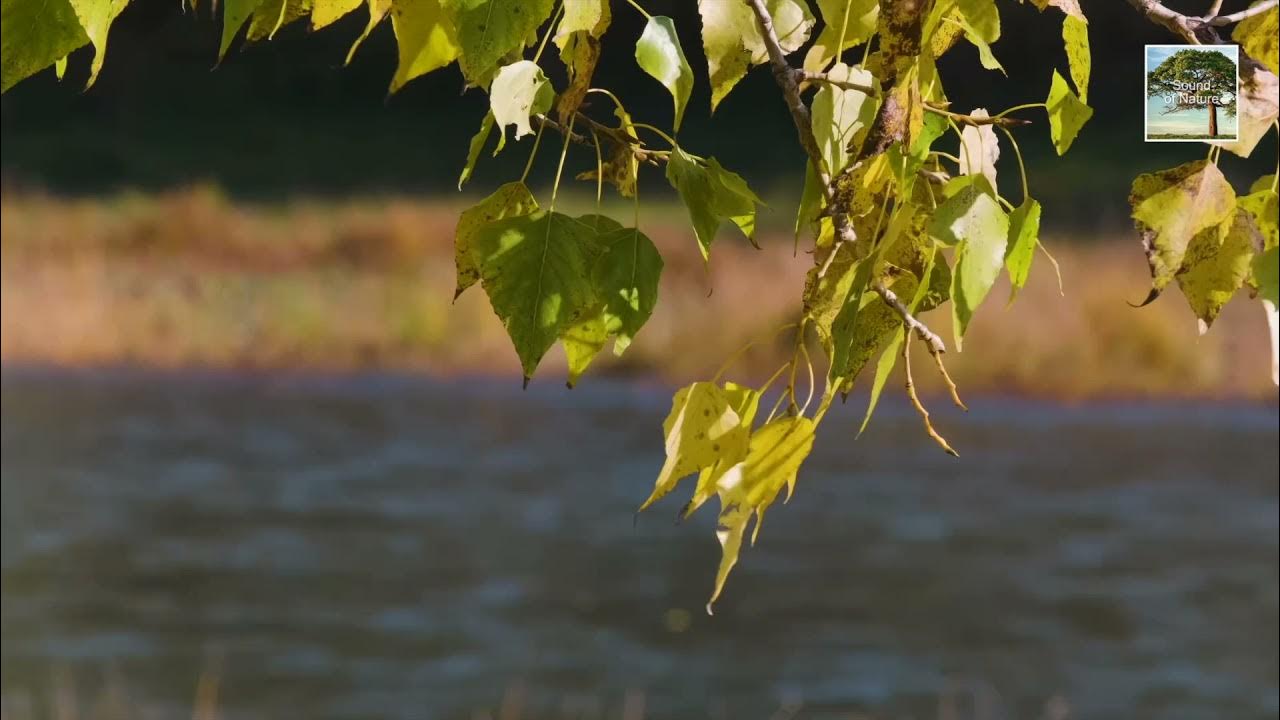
[[378, 9], [773, 461], [519, 91], [854, 20], [712, 195], [426, 38], [326, 12], [35, 34], [701, 428], [884, 366], [732, 42], [1257, 37], [272, 15], [489, 30], [589, 16], [1264, 205], [975, 224], [1266, 273], [1024, 237], [1075, 39], [746, 402], [582, 341], [1067, 114], [234, 15], [1217, 263], [982, 17], [1172, 206], [659, 53], [510, 200], [626, 278], [535, 269], [1257, 109], [95, 18], [842, 117], [475, 148]]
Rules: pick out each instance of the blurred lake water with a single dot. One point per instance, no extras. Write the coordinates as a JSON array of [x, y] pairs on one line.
[[387, 547]]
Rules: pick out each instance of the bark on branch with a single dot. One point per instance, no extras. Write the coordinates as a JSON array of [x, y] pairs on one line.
[[785, 76]]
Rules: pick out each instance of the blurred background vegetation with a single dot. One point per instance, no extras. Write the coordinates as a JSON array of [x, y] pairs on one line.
[[281, 210]]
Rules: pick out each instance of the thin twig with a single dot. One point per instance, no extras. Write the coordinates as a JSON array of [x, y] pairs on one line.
[[930, 338], [784, 75], [1245, 14], [915, 401], [937, 108]]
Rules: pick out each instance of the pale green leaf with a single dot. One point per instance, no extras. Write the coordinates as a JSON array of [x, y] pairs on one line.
[[1217, 263], [701, 428], [582, 341], [854, 20], [746, 402], [1266, 273], [60, 68], [1257, 109], [841, 117], [35, 34], [1024, 237], [1075, 39], [519, 91], [982, 17], [1172, 206], [326, 12], [272, 15], [426, 38], [773, 461], [510, 200], [96, 17], [659, 54], [475, 148], [979, 228], [1264, 205], [732, 42], [234, 15], [1067, 114], [1257, 37], [589, 16], [712, 195], [536, 271], [378, 9], [488, 31]]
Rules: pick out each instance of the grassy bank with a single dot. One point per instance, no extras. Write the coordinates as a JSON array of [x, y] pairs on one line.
[[190, 279]]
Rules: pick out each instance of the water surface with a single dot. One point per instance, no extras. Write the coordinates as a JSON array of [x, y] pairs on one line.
[[383, 547]]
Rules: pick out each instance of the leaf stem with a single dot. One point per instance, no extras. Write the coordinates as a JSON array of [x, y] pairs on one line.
[[551, 26], [1016, 108], [564, 151], [738, 354], [646, 126], [642, 11], [537, 140], [1022, 169]]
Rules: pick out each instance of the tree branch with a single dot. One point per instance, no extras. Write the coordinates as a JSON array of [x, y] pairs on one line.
[[930, 338], [1177, 23], [641, 153], [786, 79], [1245, 14], [937, 108]]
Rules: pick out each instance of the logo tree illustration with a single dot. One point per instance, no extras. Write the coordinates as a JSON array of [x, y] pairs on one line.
[[1195, 79]]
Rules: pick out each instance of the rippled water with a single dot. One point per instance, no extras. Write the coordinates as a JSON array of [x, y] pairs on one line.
[[386, 547]]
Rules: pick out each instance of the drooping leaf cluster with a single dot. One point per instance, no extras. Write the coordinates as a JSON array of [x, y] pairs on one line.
[[906, 208]]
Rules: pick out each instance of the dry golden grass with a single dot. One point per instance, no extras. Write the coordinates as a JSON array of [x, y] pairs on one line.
[[191, 279]]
